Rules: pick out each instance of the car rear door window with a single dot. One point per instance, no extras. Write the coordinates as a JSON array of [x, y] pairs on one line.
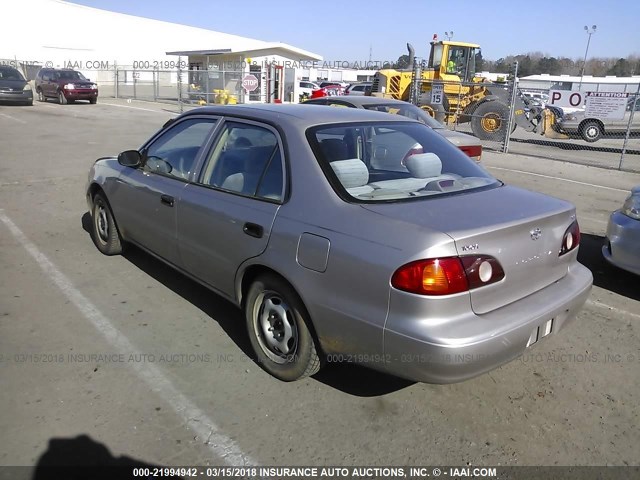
[[246, 159]]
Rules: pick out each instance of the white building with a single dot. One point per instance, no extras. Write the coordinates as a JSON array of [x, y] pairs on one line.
[[575, 82], [129, 55]]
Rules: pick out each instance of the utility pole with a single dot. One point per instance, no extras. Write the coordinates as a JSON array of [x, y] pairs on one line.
[[589, 31]]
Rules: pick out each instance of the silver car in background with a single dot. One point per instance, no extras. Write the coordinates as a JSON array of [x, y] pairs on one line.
[[347, 235], [622, 244]]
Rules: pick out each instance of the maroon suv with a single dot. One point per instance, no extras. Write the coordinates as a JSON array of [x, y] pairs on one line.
[[66, 85]]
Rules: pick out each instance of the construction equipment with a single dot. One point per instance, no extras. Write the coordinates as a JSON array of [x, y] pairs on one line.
[[465, 97]]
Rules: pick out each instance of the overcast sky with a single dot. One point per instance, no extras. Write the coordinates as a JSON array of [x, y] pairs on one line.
[[347, 30]]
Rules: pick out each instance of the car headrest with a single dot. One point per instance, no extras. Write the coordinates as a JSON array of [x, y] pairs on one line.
[[351, 173], [334, 149], [424, 165]]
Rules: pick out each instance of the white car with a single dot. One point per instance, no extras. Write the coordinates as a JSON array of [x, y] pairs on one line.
[[305, 88], [358, 88]]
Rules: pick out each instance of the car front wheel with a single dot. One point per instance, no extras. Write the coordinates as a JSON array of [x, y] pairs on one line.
[[41, 97], [61, 98], [104, 230], [279, 330]]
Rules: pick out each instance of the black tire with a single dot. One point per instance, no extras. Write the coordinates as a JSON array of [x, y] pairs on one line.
[[436, 111], [490, 121], [279, 330], [62, 100], [93, 101], [104, 230], [41, 97], [591, 131]]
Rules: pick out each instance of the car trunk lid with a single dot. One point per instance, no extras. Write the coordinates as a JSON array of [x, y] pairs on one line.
[[523, 230]]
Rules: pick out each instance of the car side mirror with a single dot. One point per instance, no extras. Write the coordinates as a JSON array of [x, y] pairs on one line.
[[130, 158]]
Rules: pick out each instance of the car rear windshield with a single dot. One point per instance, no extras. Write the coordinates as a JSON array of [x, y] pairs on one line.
[[387, 162]]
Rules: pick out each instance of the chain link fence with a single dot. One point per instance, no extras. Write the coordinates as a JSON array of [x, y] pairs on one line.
[[598, 124], [592, 123], [188, 87]]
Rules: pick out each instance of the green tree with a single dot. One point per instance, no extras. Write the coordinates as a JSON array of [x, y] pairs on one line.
[[549, 65], [525, 65], [502, 65], [402, 62], [622, 68]]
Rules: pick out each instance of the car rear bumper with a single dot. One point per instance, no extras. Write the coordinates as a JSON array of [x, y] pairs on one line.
[[622, 241], [422, 349]]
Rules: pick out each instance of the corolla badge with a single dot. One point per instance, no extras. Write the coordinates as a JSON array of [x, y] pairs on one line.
[[536, 233]]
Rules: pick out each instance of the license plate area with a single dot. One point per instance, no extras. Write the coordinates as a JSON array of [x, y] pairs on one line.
[[540, 332]]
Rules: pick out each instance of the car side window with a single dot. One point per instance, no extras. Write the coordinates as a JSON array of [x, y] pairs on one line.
[[246, 159], [174, 152]]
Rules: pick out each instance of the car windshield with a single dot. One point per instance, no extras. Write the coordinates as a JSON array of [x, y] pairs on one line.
[[408, 110], [385, 161], [71, 76], [10, 74]]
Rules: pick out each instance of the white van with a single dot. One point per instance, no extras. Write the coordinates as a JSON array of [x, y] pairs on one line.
[[540, 97]]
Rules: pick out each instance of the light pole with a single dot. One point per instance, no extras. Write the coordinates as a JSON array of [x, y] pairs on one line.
[[449, 35], [589, 31]]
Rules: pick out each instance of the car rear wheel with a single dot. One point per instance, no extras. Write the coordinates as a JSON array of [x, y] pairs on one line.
[[41, 97], [104, 230], [61, 98], [279, 330], [591, 131]]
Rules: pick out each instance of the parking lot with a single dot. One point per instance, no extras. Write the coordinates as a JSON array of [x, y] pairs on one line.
[[122, 357]]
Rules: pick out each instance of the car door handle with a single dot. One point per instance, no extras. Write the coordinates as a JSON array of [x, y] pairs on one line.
[[253, 230], [166, 200]]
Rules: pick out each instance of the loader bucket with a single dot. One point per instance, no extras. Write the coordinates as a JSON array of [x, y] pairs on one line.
[[549, 120]]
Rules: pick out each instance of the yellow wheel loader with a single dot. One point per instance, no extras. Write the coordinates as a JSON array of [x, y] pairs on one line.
[[460, 95]]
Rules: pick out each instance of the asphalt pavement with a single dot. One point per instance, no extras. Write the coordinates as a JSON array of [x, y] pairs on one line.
[[123, 358]]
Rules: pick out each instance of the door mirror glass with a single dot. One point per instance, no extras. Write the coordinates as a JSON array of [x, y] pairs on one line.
[[130, 158]]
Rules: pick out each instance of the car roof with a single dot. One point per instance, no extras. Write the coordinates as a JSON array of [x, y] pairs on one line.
[[297, 115]]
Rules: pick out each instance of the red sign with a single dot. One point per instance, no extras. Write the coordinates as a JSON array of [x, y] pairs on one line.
[[249, 82]]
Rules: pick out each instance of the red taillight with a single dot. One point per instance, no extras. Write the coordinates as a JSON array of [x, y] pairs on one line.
[[474, 151], [446, 276], [571, 238], [435, 276]]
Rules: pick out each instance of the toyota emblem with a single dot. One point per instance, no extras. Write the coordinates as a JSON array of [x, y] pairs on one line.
[[536, 233]]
